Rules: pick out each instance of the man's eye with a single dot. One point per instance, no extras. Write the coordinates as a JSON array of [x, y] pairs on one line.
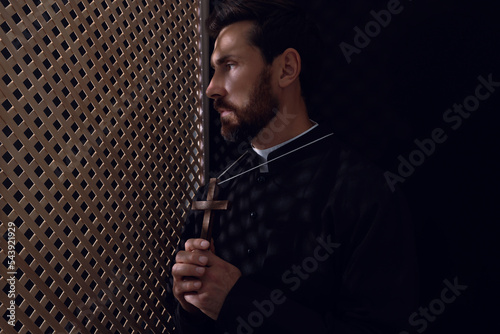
[[230, 66]]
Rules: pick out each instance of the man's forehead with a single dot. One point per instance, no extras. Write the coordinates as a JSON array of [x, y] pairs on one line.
[[232, 40]]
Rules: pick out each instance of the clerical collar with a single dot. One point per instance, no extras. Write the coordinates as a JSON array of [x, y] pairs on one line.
[[273, 156], [263, 154]]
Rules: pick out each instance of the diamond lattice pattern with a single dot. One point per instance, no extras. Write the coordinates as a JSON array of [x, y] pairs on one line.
[[101, 138]]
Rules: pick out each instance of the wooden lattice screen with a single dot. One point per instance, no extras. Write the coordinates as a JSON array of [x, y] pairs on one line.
[[101, 139]]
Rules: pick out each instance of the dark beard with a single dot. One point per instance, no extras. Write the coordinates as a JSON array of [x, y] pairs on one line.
[[254, 117]]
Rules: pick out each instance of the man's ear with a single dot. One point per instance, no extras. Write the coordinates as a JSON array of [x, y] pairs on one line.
[[290, 67]]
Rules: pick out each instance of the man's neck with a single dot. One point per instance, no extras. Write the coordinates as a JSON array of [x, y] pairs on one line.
[[264, 153], [283, 127]]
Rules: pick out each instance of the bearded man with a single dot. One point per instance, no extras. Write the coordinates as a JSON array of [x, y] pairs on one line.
[[315, 241]]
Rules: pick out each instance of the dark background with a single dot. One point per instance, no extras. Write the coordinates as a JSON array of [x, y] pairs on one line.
[[396, 91]]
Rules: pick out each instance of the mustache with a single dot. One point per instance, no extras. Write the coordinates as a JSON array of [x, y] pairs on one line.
[[222, 104]]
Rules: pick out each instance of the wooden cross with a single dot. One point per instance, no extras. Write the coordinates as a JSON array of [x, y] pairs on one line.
[[208, 206]]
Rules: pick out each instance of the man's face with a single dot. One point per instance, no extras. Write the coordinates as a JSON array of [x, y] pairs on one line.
[[241, 86]]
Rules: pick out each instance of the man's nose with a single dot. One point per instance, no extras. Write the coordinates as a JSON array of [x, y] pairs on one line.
[[215, 89]]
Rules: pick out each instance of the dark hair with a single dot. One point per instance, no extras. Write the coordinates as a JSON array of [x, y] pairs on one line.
[[279, 24]]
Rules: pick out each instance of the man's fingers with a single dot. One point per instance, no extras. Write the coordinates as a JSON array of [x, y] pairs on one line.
[[195, 258], [190, 285], [196, 244], [187, 285], [186, 278], [180, 270]]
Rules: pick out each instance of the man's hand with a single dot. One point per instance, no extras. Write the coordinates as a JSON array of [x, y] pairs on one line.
[[187, 270], [202, 280]]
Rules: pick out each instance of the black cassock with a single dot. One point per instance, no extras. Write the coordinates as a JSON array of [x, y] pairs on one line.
[[323, 244]]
